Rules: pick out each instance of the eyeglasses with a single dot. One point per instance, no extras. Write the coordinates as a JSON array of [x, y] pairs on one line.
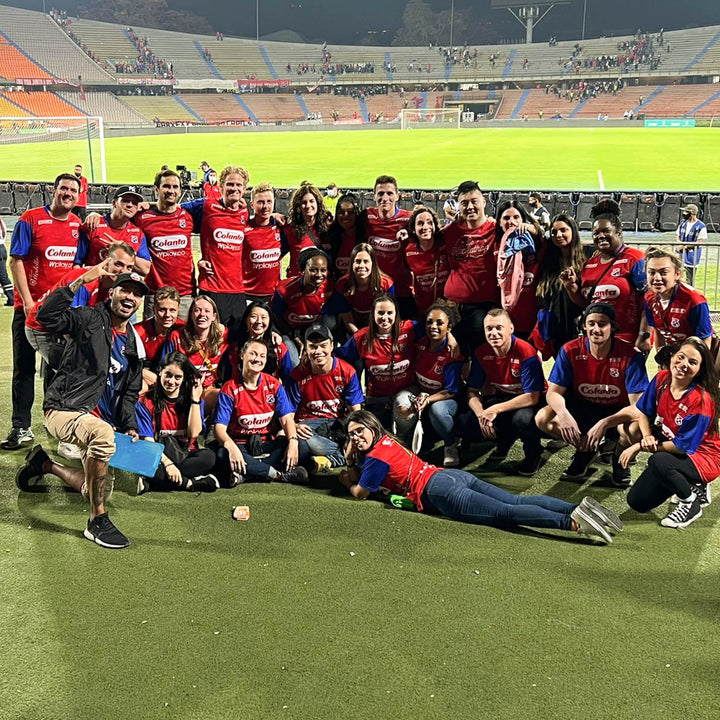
[[357, 432]]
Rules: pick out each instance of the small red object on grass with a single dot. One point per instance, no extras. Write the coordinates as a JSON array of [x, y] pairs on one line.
[[241, 512]]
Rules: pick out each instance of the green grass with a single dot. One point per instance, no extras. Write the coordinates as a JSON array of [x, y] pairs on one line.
[[548, 158]]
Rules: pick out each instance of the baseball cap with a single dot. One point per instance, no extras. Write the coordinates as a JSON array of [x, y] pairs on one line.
[[127, 190], [134, 279], [318, 330], [600, 307], [691, 208]]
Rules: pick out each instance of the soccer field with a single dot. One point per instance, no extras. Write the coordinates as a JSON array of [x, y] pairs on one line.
[[323, 608], [523, 158]]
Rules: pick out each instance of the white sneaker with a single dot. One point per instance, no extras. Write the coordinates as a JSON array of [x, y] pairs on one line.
[[684, 514], [69, 451], [589, 525], [451, 456]]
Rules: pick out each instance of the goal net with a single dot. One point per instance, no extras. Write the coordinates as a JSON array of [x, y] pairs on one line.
[[430, 118], [59, 143]]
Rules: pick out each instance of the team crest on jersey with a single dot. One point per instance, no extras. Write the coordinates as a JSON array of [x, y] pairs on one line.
[[270, 399], [615, 272], [515, 372], [615, 372], [675, 322], [438, 369], [678, 419], [182, 222], [75, 234]]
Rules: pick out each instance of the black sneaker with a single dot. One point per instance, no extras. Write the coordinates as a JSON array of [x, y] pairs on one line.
[[621, 477], [529, 466], [16, 438], [30, 474], [101, 530], [703, 492], [684, 514], [205, 483], [579, 466], [498, 454], [297, 476]]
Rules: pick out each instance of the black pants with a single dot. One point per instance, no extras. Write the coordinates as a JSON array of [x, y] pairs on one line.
[[470, 331], [198, 462], [23, 377], [666, 474], [231, 306], [5, 281]]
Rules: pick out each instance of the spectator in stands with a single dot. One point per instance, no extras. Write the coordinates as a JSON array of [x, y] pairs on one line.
[[307, 226], [115, 226], [382, 224], [615, 274], [82, 202], [472, 250], [557, 313], [691, 231], [53, 228], [262, 253], [345, 233], [538, 211], [5, 282]]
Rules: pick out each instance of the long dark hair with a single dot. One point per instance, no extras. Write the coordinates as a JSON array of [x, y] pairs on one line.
[[376, 275], [158, 396], [412, 235], [553, 263], [394, 333], [335, 231], [370, 421], [243, 335], [707, 376], [537, 233], [297, 219]]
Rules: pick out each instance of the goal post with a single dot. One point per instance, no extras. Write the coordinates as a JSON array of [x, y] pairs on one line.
[[63, 142], [430, 118]]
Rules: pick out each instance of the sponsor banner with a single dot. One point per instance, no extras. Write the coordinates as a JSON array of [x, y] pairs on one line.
[[145, 81], [38, 81], [670, 123], [252, 83]]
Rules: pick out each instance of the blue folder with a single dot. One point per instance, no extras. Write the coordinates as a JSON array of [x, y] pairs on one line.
[[141, 457]]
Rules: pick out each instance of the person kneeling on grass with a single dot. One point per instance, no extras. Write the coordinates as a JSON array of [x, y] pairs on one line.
[[676, 419], [172, 414], [244, 442], [377, 460], [94, 391]]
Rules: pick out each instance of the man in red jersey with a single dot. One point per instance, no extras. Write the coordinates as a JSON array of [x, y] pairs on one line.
[[116, 226], [82, 201], [472, 255], [211, 187], [262, 247], [42, 250], [382, 224]]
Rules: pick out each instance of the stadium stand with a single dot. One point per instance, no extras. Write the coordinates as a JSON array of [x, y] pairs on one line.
[[13, 64], [44, 104], [9, 109], [40, 37], [162, 107], [110, 107]]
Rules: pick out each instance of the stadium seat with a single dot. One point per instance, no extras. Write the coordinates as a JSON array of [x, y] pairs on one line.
[[430, 199], [7, 202], [628, 210], [647, 212], [584, 208], [47, 190], [669, 212], [712, 213], [367, 198], [97, 195], [564, 204]]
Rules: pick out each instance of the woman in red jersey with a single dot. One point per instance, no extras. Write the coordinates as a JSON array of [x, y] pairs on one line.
[[378, 461], [307, 225], [425, 256], [615, 274], [346, 231]]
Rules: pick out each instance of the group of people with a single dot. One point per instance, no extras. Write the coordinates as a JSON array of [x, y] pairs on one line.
[[245, 375]]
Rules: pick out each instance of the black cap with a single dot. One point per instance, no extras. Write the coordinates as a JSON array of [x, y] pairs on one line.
[[134, 279], [320, 330], [600, 307], [127, 190]]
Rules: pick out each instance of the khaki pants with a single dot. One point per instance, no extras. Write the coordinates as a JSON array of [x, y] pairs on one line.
[[94, 436]]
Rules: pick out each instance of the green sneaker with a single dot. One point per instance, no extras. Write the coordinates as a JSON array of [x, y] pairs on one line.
[[402, 502]]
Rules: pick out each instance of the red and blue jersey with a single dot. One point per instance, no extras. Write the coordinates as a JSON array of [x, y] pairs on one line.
[[342, 258], [207, 365], [247, 412], [262, 257], [93, 243], [171, 422], [388, 372], [170, 246], [623, 286], [429, 270], [296, 245], [685, 421], [519, 372], [685, 314], [31, 318], [283, 365], [436, 370], [524, 314], [472, 256], [607, 381], [390, 465], [47, 248], [153, 342], [110, 401], [389, 251], [296, 307], [222, 232], [360, 302], [323, 396]]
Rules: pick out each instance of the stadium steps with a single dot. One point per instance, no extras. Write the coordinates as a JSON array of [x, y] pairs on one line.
[[14, 63], [46, 104], [702, 53], [364, 112], [162, 107], [640, 107], [211, 65], [303, 105], [519, 106], [110, 107], [387, 66], [706, 104], [268, 62], [110, 42], [40, 37], [187, 107], [509, 64], [509, 101], [9, 108], [240, 101], [180, 49]]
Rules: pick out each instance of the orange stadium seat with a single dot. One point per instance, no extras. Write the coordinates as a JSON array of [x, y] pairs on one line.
[[13, 64], [45, 104]]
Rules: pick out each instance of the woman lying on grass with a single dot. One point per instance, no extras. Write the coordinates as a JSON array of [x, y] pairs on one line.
[[376, 460]]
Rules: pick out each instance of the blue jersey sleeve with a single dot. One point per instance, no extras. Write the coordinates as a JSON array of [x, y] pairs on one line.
[[83, 245], [391, 290], [146, 426], [143, 253], [283, 406], [699, 317], [636, 379], [278, 304], [353, 395], [638, 276], [349, 351], [648, 315], [452, 376], [531, 375], [224, 409], [691, 433], [21, 239], [562, 372], [337, 305], [419, 329], [647, 404], [195, 208], [81, 297], [476, 378], [285, 367], [373, 473], [292, 391]]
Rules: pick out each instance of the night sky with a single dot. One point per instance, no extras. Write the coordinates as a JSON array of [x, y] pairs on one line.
[[346, 22]]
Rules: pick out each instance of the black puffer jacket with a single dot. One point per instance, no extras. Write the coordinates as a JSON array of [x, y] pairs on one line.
[[81, 379]]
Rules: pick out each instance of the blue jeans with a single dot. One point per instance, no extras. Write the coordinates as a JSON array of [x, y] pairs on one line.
[[442, 417], [258, 469], [459, 495], [319, 444]]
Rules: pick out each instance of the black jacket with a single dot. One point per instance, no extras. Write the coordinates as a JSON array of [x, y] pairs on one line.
[[81, 379]]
